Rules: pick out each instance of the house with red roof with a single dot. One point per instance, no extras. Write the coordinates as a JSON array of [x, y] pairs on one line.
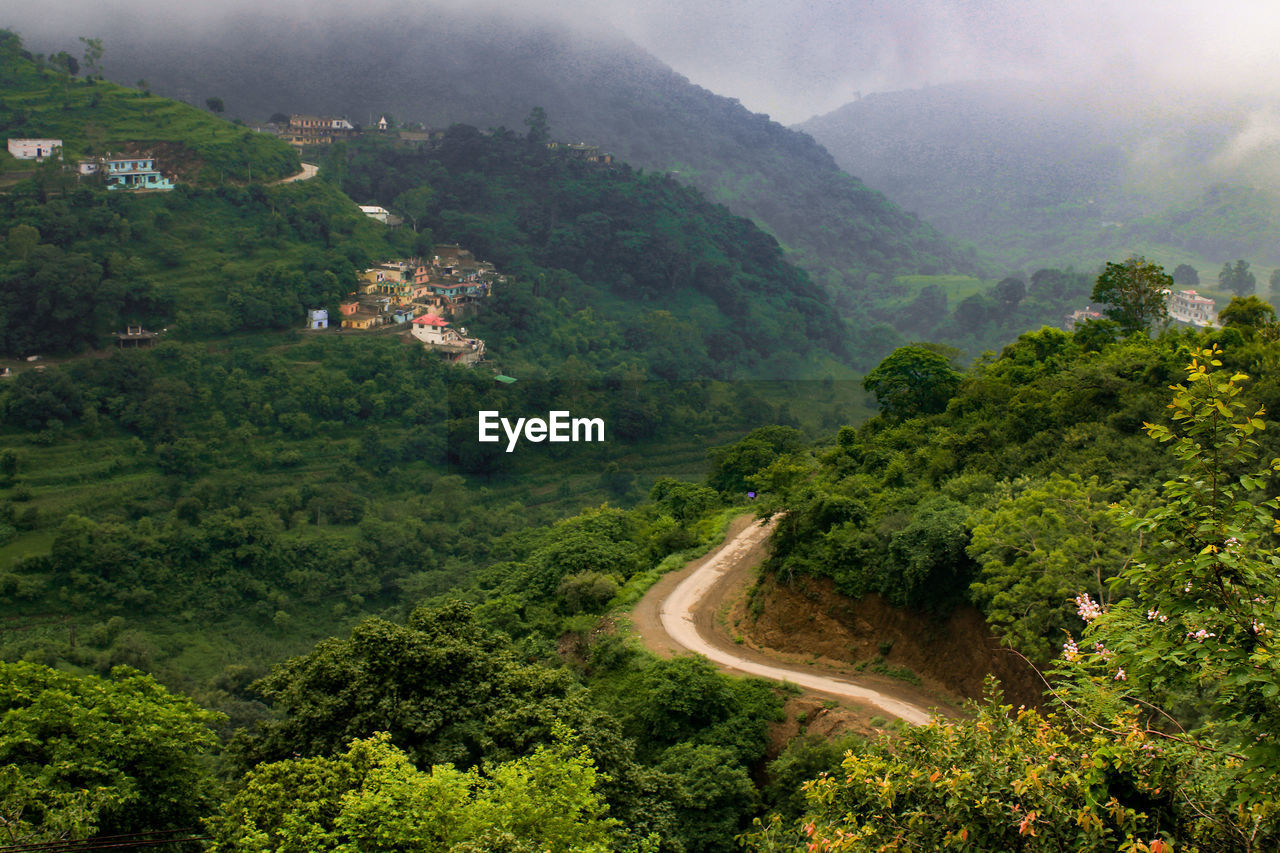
[[452, 344]]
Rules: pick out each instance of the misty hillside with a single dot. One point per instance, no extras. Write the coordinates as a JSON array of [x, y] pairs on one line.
[[1039, 175], [439, 69]]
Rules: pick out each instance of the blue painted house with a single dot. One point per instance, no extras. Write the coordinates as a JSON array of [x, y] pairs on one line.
[[134, 173]]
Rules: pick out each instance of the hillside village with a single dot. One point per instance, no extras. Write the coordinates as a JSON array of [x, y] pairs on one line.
[[426, 294], [301, 131]]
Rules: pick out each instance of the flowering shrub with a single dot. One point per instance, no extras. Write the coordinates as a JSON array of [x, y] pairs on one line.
[[1002, 781], [1194, 637]]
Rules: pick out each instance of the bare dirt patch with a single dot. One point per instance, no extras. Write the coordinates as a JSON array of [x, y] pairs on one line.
[[951, 655]]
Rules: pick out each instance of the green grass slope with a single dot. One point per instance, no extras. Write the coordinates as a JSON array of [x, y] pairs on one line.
[[93, 117]]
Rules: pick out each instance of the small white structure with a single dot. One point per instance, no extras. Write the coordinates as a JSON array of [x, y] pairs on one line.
[[34, 149], [1187, 306], [373, 211], [318, 318], [383, 124]]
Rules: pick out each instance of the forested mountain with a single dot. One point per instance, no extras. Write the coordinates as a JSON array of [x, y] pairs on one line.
[[245, 423], [206, 508], [439, 67], [263, 584], [1038, 173], [678, 287], [1007, 485]]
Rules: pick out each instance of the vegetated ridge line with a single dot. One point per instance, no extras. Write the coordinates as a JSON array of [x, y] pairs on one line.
[[677, 615]]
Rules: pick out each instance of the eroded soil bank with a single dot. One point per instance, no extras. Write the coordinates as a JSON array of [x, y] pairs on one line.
[[950, 654]]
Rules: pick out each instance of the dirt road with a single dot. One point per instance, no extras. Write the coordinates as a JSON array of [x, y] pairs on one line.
[[308, 171], [681, 613]]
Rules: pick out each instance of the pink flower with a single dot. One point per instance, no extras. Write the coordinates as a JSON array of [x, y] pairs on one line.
[[1087, 608], [1120, 676]]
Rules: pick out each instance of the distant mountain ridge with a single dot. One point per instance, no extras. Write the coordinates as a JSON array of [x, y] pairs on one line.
[[440, 68], [1042, 174]]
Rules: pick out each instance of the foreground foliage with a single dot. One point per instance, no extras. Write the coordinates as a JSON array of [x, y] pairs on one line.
[[1007, 780], [1166, 737], [372, 798], [82, 756]]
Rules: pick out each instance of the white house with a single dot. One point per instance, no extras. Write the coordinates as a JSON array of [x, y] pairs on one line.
[[318, 318], [34, 149], [377, 212], [430, 329], [1187, 306]]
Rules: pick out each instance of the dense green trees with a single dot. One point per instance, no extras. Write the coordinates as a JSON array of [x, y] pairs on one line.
[[1205, 597], [78, 267], [1249, 313], [1164, 730], [1134, 292], [85, 756], [446, 690], [1043, 544], [373, 798], [913, 381], [1237, 278], [628, 244]]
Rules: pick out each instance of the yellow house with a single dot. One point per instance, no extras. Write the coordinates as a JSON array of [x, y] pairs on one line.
[[360, 320]]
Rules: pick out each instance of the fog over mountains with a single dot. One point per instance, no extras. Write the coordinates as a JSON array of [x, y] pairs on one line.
[[488, 70], [1036, 172], [1098, 130]]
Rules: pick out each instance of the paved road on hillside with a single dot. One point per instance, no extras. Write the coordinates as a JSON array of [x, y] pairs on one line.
[[686, 614]]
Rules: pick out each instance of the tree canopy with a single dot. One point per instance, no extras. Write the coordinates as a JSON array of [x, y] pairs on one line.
[[84, 755], [913, 381], [371, 798], [1134, 292]]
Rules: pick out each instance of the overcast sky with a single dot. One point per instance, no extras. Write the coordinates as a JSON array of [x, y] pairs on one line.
[[796, 58]]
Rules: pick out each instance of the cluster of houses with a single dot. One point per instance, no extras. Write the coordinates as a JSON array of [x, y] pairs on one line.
[[129, 172], [1185, 306], [582, 151], [427, 294], [303, 130]]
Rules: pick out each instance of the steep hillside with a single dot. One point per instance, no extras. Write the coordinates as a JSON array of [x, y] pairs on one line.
[[1039, 174], [678, 288], [439, 68], [93, 117]]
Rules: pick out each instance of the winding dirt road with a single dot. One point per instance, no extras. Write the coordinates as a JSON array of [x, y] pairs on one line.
[[680, 614], [308, 172]]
